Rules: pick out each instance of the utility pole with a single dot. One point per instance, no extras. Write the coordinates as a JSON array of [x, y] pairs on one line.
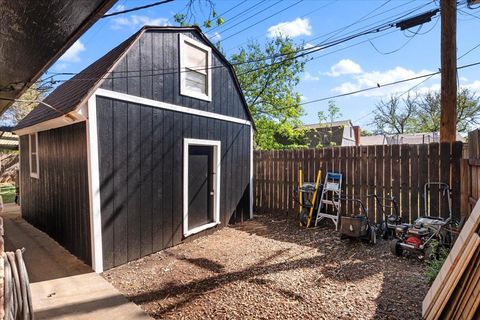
[[448, 98]]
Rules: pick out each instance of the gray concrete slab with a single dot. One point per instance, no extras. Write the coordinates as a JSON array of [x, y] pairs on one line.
[[44, 257], [85, 296], [63, 287]]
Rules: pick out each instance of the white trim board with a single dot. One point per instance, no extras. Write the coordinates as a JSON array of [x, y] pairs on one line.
[[251, 173], [217, 145], [35, 174], [94, 186], [166, 106]]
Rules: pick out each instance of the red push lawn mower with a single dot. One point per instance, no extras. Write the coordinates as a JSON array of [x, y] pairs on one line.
[[418, 237]]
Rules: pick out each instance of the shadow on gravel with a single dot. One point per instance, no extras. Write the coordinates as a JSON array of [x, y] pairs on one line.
[[403, 287]]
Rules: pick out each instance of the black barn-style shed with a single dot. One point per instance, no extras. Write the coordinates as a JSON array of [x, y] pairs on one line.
[[149, 146]]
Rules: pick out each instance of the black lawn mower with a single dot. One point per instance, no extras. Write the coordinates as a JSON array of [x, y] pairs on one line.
[[358, 225], [391, 221]]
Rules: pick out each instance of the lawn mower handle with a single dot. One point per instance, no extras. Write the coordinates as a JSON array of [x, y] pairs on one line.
[[358, 201], [382, 206]]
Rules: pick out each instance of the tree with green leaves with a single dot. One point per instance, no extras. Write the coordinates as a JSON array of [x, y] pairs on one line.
[[268, 83], [188, 16], [325, 119], [468, 111], [18, 110]]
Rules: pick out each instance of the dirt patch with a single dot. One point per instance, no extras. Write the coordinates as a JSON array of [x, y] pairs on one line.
[[271, 269]]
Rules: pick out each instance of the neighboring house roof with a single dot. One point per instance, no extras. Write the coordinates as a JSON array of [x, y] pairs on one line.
[[344, 123], [69, 95], [406, 138], [328, 133]]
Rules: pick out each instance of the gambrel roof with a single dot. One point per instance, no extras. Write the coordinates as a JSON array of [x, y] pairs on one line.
[[71, 94]]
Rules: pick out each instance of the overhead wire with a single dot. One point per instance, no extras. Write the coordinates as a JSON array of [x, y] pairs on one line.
[[472, 49], [264, 19], [232, 8], [385, 85], [236, 17], [301, 17], [310, 51]]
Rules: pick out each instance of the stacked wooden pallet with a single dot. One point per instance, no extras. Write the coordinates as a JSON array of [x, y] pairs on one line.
[[455, 293]]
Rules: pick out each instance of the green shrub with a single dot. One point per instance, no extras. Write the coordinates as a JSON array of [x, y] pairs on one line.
[[438, 255]]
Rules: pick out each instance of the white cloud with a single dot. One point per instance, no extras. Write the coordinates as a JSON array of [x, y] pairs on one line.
[[291, 29], [119, 7], [60, 66], [215, 37], [307, 76], [343, 67], [135, 21], [303, 98], [375, 78], [475, 86], [73, 53]]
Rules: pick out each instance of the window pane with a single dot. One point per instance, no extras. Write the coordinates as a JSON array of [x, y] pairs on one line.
[[33, 143], [195, 58], [196, 82], [33, 168]]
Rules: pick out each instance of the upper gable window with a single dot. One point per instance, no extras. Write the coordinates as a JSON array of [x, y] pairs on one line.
[[195, 69]]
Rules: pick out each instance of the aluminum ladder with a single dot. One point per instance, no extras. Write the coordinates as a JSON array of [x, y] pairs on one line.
[[330, 198]]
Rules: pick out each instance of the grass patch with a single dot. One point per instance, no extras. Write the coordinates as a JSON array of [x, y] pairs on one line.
[[7, 191]]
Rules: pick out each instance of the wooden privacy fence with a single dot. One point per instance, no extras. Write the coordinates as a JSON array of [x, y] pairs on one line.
[[398, 170], [472, 170]]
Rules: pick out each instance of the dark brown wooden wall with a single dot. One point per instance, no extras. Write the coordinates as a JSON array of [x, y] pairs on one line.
[[398, 170], [151, 70], [58, 203], [141, 175]]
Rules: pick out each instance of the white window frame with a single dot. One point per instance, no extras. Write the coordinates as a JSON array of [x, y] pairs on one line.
[[183, 89], [216, 183], [33, 174]]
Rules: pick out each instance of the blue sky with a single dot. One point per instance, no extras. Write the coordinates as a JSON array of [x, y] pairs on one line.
[[383, 57]]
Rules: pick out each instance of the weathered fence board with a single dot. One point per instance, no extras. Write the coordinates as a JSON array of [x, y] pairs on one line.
[[472, 194], [400, 171]]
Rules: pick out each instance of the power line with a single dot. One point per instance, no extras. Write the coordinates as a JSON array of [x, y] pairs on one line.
[[378, 28], [237, 16], [232, 8], [368, 17], [310, 50], [305, 15], [385, 85], [175, 71], [135, 9], [253, 15], [463, 55], [264, 19]]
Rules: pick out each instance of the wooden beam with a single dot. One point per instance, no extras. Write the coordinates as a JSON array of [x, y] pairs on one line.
[[448, 9]]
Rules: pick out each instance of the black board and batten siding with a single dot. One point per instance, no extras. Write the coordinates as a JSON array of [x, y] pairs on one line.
[[58, 202], [141, 150]]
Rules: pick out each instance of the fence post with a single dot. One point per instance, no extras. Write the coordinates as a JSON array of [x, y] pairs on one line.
[[464, 188]]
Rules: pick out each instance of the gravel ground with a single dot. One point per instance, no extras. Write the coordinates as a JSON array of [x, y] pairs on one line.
[[273, 269]]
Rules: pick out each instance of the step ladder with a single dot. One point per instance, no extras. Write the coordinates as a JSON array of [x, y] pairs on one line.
[[330, 199]]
